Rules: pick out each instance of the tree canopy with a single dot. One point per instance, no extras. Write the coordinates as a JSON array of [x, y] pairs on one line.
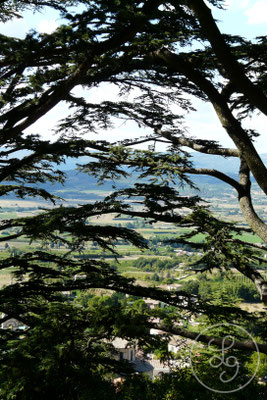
[[160, 56]]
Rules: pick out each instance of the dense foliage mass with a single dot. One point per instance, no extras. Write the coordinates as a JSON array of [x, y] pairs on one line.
[[159, 56]]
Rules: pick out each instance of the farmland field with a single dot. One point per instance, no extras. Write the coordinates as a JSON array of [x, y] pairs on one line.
[[224, 205]]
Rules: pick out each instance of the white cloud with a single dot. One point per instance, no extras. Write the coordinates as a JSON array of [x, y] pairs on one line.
[[244, 3], [257, 14], [15, 28], [47, 26]]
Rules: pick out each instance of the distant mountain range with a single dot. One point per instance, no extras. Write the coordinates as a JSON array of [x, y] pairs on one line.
[[227, 165], [78, 182], [200, 160]]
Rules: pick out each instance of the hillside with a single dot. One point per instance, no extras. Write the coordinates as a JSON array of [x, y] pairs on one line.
[[83, 186]]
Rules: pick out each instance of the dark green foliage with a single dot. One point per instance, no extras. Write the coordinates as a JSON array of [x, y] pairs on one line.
[[145, 49], [60, 358], [232, 287], [191, 287], [156, 264], [67, 354], [180, 385]]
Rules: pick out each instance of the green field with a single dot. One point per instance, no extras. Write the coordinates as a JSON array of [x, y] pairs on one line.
[[19, 208]]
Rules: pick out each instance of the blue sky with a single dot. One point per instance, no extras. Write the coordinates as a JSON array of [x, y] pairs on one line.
[[247, 18]]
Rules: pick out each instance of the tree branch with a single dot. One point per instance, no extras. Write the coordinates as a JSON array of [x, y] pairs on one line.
[[248, 345], [213, 172], [256, 278], [195, 145], [233, 70], [232, 126], [54, 95], [245, 202], [256, 245]]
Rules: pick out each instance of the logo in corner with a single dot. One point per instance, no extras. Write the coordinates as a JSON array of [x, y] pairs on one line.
[[220, 368]]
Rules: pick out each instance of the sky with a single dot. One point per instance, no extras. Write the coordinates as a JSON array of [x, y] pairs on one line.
[[247, 18]]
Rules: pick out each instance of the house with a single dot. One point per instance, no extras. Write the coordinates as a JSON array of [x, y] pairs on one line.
[[152, 303], [125, 350], [152, 368], [128, 351]]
